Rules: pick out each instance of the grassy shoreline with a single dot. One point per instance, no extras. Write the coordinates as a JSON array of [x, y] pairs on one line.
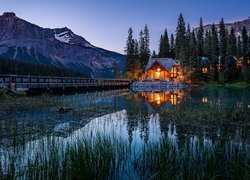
[[110, 158], [228, 85]]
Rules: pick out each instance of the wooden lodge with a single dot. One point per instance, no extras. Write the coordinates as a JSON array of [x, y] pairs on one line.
[[161, 69]]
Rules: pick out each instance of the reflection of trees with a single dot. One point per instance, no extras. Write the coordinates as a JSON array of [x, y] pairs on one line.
[[138, 116], [222, 96]]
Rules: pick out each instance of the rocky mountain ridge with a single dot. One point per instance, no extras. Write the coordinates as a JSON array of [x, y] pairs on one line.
[[23, 41]]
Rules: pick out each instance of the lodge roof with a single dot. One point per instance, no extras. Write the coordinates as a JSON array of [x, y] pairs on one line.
[[166, 63]]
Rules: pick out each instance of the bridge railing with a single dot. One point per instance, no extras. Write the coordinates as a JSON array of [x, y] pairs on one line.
[[26, 81]]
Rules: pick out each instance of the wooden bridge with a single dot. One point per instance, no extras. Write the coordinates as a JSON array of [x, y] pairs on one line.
[[27, 83]]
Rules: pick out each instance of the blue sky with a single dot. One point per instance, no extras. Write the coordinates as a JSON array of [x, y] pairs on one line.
[[105, 22]]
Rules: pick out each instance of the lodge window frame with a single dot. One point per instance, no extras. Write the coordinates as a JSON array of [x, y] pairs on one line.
[[204, 70], [174, 71]]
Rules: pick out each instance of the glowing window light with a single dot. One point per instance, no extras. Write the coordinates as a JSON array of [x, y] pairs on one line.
[[173, 99], [204, 70], [204, 100]]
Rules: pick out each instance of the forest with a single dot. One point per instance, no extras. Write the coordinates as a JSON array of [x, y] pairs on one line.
[[224, 54], [8, 66]]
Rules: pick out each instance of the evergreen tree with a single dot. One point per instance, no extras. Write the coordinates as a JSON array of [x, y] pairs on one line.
[[164, 47], [154, 54], [230, 64], [136, 63], [200, 40], [214, 54], [145, 51], [239, 47], [223, 43], [141, 47], [232, 42], [191, 47], [181, 42], [161, 48], [207, 44], [245, 45], [129, 50], [172, 46]]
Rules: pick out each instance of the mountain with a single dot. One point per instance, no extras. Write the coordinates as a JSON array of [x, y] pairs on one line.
[[237, 26], [23, 41]]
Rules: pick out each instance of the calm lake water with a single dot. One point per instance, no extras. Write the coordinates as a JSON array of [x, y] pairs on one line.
[[135, 117]]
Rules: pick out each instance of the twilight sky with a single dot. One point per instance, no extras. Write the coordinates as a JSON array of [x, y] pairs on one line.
[[104, 23]]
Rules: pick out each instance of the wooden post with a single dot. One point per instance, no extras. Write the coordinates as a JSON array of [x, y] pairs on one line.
[[13, 82]]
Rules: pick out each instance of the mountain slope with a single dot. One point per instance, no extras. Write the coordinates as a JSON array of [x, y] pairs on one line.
[[237, 26], [23, 41]]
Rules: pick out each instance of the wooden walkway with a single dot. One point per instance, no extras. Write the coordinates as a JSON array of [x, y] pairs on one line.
[[26, 83]]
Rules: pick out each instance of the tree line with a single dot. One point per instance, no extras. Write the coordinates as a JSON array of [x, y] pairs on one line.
[[223, 53], [8, 66], [137, 53]]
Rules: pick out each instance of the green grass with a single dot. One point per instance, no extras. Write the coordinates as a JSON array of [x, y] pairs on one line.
[[109, 158]]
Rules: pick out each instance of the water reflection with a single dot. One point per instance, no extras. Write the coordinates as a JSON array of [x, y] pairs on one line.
[[136, 119]]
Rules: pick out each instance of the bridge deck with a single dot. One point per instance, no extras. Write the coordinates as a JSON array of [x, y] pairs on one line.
[[17, 82]]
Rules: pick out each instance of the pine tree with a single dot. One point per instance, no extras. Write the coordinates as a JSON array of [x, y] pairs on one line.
[[214, 54], [239, 47], [164, 46], [154, 54], [181, 42], [129, 51], [141, 47], [191, 47], [172, 46], [207, 44], [200, 40], [145, 51], [245, 46], [230, 64], [161, 48], [223, 42], [136, 63]]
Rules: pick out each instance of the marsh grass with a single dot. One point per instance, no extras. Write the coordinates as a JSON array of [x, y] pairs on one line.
[[111, 158]]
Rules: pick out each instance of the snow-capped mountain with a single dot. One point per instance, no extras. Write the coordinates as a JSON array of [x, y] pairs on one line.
[[237, 26], [23, 41]]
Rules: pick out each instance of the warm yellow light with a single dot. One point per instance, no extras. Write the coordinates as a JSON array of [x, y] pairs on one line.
[[157, 97], [204, 70], [173, 99], [158, 69], [158, 102], [204, 100]]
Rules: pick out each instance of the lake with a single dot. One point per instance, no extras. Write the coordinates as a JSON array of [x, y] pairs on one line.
[[119, 134]]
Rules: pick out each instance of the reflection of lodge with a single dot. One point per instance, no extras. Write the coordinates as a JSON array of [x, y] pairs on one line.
[[158, 99]]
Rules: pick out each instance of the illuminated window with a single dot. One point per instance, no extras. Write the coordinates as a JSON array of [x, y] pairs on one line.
[[204, 100], [158, 73], [173, 99], [174, 72], [219, 66], [204, 70]]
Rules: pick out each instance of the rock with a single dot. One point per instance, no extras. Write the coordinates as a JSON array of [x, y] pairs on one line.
[[63, 110], [157, 86]]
